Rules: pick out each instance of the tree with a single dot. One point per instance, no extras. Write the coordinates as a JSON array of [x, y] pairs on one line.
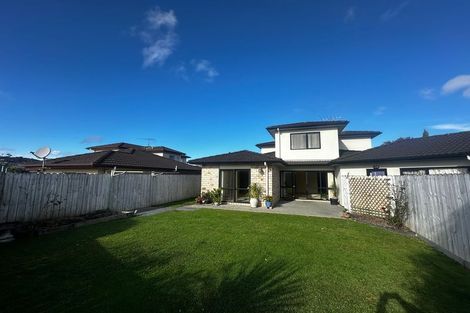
[[396, 140], [425, 133]]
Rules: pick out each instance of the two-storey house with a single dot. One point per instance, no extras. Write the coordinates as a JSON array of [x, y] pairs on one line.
[[295, 165], [306, 160]]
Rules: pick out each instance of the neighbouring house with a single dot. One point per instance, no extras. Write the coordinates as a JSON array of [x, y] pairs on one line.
[[119, 158], [306, 160], [157, 150], [9, 163]]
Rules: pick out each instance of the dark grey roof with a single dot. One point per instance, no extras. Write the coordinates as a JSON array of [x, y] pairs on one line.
[[359, 134], [243, 156], [136, 159], [129, 146], [268, 144], [340, 124], [344, 153], [440, 146], [116, 146], [309, 162]]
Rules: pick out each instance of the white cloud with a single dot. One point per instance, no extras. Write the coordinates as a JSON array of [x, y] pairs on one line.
[[350, 15], [427, 93], [393, 12], [157, 19], [92, 139], [55, 154], [159, 36], [205, 68], [159, 51], [451, 126], [182, 71], [458, 83], [380, 110], [6, 150]]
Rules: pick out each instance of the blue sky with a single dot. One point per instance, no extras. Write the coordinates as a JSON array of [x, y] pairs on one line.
[[207, 77]]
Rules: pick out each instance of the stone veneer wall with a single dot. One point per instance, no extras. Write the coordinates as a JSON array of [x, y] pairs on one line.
[[273, 180], [257, 176], [209, 178]]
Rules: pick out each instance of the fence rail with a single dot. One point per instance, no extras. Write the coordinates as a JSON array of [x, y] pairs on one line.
[[439, 207], [32, 197]]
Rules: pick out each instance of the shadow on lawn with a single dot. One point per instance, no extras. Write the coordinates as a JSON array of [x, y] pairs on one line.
[[74, 272], [439, 284]]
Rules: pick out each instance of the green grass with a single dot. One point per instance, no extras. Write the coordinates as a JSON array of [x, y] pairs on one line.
[[221, 261]]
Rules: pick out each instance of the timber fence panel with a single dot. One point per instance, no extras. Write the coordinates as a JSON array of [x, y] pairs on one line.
[[439, 206], [27, 197]]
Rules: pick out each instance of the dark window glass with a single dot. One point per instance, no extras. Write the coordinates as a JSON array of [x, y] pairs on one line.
[[305, 141], [377, 172], [414, 171]]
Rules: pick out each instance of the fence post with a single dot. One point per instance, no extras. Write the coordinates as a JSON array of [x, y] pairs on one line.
[[2, 184]]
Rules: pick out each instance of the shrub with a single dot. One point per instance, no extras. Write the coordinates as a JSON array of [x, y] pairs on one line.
[[204, 198], [216, 195], [398, 211], [255, 191], [268, 198]]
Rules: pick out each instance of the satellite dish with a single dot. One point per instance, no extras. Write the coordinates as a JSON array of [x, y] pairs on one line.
[[42, 153]]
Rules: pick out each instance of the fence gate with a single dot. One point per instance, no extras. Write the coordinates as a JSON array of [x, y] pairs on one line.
[[369, 195]]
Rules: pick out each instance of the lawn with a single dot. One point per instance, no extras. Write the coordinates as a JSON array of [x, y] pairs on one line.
[[224, 261]]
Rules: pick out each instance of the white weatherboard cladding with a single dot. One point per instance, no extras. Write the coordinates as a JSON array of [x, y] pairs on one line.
[[329, 146], [357, 144], [268, 150]]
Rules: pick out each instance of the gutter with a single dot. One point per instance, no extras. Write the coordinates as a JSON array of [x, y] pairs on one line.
[[412, 158]]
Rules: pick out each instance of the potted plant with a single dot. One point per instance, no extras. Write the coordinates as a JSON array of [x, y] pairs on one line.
[[206, 197], [334, 190], [255, 192], [216, 196], [268, 201]]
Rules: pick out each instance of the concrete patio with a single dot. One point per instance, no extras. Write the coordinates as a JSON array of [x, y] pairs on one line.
[[297, 207]]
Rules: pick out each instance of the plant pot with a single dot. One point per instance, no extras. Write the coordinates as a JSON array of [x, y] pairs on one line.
[[334, 201], [253, 202], [268, 204]]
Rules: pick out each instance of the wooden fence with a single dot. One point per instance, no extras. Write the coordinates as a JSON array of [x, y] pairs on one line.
[[439, 209], [33, 197]]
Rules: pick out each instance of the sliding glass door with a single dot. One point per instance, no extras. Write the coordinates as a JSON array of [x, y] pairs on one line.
[[234, 185], [310, 185]]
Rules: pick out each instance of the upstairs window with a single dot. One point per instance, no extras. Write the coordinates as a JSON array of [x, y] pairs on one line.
[[305, 141]]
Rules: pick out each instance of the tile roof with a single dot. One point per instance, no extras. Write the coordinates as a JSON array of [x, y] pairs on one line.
[[137, 159], [439, 146], [341, 124], [115, 146], [268, 144], [127, 146], [243, 156]]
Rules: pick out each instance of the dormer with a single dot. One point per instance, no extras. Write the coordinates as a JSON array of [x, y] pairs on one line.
[[267, 147], [356, 140]]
